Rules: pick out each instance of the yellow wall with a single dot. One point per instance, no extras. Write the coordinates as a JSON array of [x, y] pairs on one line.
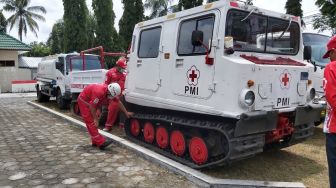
[[7, 74]]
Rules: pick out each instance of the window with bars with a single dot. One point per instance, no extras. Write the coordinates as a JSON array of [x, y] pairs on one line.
[[7, 63]]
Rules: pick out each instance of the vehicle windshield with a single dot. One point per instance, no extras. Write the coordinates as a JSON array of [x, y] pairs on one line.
[[318, 44], [259, 33], [91, 63]]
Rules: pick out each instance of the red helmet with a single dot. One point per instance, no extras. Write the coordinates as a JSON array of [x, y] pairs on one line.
[[121, 63]]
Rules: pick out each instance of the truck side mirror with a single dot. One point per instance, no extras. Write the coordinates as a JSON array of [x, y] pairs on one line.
[[307, 53], [197, 38]]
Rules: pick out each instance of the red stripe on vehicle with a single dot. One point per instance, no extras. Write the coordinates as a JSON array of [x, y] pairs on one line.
[[277, 61], [24, 81]]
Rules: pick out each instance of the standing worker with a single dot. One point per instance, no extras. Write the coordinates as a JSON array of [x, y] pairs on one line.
[[329, 85], [117, 75], [93, 96]]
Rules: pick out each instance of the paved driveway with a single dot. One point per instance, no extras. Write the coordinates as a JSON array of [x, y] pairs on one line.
[[38, 149]]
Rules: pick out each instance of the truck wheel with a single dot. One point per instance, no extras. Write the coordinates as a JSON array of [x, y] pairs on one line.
[[62, 103], [41, 97], [103, 117], [74, 108]]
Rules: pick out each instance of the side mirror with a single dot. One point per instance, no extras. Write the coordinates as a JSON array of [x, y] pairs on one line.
[[197, 38], [307, 53], [315, 67]]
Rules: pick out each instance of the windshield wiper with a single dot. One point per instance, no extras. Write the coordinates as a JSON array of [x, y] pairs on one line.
[[249, 14], [290, 22]]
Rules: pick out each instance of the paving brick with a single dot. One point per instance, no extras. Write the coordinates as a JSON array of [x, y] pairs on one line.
[[39, 150]]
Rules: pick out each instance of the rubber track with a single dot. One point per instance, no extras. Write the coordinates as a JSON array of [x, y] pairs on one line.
[[240, 148]]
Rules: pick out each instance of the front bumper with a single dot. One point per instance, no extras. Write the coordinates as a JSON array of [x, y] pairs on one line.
[[264, 121], [308, 114]]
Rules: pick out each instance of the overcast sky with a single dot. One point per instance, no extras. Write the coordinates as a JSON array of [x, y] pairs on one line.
[[55, 12]]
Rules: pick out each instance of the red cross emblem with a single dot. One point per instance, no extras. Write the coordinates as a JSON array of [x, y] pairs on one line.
[[193, 75], [285, 78]]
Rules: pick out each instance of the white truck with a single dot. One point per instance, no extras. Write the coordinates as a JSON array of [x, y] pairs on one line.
[[54, 75], [82, 75], [206, 92], [317, 44], [314, 48]]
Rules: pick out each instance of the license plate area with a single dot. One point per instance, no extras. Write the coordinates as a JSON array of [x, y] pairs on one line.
[[282, 102]]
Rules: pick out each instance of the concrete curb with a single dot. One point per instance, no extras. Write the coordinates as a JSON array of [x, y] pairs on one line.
[[193, 175]]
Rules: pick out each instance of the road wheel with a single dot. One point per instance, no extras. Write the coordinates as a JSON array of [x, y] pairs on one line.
[[162, 137], [198, 150], [135, 127], [149, 132], [61, 102], [177, 143], [41, 97]]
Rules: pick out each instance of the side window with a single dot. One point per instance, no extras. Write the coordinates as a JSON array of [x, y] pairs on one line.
[[60, 65], [77, 64], [133, 43], [149, 43], [205, 24]]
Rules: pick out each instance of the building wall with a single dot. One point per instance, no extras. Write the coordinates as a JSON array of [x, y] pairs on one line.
[[7, 74]]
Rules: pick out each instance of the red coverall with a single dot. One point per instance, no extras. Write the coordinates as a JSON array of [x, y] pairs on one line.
[[113, 75], [93, 95]]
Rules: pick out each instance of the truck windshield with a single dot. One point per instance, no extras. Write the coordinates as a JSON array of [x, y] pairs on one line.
[[318, 44], [91, 63], [259, 33]]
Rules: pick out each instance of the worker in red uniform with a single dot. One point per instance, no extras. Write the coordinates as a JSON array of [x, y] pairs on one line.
[[118, 75], [329, 85], [93, 96]]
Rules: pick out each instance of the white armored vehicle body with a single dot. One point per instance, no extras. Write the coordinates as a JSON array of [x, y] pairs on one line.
[[219, 83]]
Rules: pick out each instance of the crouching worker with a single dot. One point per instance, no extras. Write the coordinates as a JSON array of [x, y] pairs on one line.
[[116, 75], [92, 97]]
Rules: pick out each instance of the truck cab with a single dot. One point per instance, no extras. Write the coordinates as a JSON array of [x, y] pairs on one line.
[[54, 72], [317, 43]]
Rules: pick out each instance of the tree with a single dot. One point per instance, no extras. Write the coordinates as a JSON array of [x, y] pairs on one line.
[[106, 34], [56, 38], [75, 23], [3, 23], [23, 16], [92, 25], [38, 50], [327, 19], [157, 7], [133, 13], [293, 7], [187, 4]]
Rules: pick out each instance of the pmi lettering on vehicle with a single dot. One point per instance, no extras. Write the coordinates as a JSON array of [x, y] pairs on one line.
[[193, 74], [282, 102]]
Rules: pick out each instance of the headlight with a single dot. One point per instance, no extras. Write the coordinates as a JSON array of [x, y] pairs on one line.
[[247, 98], [311, 94]]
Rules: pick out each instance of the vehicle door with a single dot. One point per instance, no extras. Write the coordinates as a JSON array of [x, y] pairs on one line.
[[192, 76], [148, 58]]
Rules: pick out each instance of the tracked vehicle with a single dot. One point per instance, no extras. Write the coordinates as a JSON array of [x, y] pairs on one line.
[[219, 83]]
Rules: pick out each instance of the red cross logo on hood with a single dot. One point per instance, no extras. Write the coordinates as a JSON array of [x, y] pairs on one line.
[[285, 79], [193, 75]]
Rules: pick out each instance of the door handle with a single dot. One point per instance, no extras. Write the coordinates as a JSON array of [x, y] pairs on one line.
[[139, 62], [179, 62]]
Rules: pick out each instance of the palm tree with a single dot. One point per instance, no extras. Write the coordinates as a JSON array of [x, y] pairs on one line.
[[157, 7], [23, 15], [3, 22]]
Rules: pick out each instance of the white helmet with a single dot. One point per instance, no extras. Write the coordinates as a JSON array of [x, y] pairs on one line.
[[114, 89]]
